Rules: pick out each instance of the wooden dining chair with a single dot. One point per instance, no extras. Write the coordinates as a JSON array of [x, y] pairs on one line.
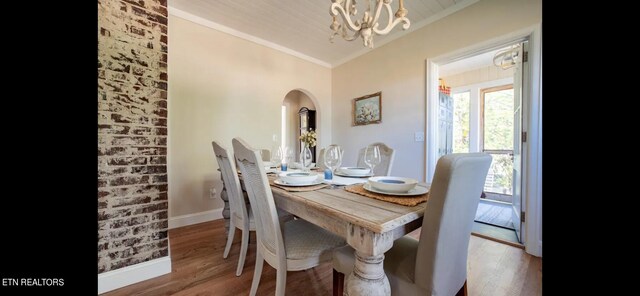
[[387, 154], [437, 263], [241, 217], [289, 246]]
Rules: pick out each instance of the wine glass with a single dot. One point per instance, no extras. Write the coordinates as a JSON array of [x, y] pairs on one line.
[[287, 157], [333, 157], [277, 155], [372, 156]]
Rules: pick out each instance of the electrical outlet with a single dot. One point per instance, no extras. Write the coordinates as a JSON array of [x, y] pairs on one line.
[[419, 136], [212, 192]]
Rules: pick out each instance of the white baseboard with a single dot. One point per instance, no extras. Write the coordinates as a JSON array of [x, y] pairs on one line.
[[184, 220], [125, 276]]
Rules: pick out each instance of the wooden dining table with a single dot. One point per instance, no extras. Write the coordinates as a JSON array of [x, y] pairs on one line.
[[369, 226]]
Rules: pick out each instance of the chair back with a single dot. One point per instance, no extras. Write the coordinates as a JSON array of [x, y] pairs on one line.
[[387, 155], [441, 261], [265, 154], [320, 162], [229, 173], [268, 232]]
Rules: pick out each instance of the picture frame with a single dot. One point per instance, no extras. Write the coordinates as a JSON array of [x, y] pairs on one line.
[[367, 109]]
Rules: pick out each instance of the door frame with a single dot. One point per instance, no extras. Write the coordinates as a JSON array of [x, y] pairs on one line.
[[531, 123]]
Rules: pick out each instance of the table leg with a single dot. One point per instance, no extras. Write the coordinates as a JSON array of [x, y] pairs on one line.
[[368, 277]]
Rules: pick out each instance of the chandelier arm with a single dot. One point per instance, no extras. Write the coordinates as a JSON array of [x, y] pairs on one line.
[[391, 26], [336, 9], [379, 4]]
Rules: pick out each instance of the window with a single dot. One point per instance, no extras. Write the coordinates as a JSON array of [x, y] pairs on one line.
[[497, 136], [461, 122]]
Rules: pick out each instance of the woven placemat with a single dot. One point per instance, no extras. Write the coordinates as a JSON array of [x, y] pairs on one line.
[[298, 188], [401, 200]]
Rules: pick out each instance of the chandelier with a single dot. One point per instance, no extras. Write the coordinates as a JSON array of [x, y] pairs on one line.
[[368, 25]]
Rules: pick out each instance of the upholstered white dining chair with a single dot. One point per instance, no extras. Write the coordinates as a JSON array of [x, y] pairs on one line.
[[241, 217], [387, 155], [289, 246], [320, 162], [265, 154], [437, 263]]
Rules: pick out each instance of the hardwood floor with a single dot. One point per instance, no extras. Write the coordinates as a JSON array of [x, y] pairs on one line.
[[199, 269]]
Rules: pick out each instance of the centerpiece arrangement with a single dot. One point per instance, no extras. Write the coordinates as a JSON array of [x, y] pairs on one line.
[[309, 140]]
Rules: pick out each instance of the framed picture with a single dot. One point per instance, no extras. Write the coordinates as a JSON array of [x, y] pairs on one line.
[[367, 109]]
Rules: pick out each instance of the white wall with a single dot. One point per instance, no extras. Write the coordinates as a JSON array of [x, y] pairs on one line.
[[223, 87], [398, 70]]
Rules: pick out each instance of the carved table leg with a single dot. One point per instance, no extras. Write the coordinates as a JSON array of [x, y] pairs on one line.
[[368, 277]]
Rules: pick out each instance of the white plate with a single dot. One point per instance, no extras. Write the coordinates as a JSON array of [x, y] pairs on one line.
[[393, 184], [269, 164], [418, 190], [283, 183], [354, 170], [341, 174]]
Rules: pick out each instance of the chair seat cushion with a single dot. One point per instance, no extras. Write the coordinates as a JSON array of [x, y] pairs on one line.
[[307, 245]]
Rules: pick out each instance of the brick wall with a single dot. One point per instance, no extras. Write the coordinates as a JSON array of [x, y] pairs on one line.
[[132, 132]]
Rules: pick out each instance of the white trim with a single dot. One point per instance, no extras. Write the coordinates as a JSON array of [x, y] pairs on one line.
[[533, 225], [125, 276], [532, 204], [440, 15], [481, 85], [195, 218], [432, 119], [207, 23]]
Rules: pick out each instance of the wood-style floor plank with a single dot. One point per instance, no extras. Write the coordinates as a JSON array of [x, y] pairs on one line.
[[199, 269]]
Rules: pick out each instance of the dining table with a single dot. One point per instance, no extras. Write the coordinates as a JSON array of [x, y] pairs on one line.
[[369, 226]]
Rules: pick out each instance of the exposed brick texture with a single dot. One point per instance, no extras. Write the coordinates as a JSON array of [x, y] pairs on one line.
[[132, 132]]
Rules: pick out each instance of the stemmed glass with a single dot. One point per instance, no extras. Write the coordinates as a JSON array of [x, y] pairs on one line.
[[277, 155], [372, 156], [287, 155], [333, 157]]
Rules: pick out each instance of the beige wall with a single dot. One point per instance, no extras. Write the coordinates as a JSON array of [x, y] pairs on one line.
[[223, 87], [398, 70], [484, 74]]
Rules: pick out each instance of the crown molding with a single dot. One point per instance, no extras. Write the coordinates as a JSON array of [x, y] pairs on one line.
[[213, 25]]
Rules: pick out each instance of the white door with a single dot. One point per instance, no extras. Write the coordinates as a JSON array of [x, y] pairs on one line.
[[519, 84]]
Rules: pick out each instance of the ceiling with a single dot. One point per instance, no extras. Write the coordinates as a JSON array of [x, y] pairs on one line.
[[301, 27], [468, 64]]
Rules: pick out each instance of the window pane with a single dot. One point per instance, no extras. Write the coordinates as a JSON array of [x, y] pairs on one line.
[[498, 120], [461, 122], [499, 176]]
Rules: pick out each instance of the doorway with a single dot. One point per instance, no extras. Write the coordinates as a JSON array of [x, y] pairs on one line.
[[476, 96], [291, 123], [528, 172]]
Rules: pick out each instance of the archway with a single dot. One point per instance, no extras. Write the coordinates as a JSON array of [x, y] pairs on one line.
[[291, 126]]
